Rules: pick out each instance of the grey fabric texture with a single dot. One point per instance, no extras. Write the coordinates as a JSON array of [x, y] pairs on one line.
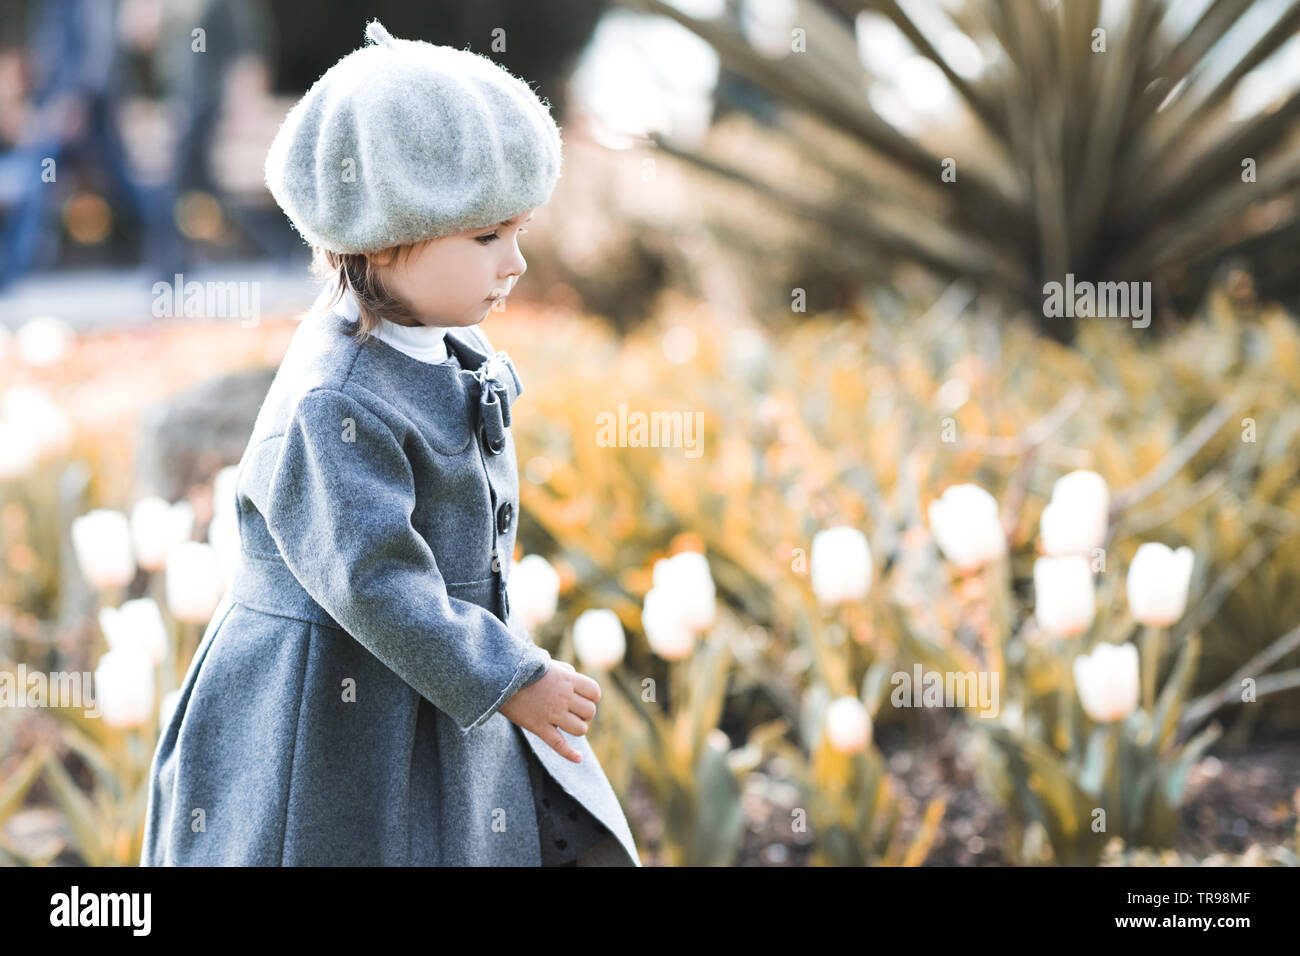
[[342, 707], [403, 140]]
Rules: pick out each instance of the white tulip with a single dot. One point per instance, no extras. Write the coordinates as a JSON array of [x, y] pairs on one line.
[[965, 523], [195, 581], [598, 639], [1076, 519], [686, 577], [44, 340], [102, 541], [124, 688], [223, 489], [848, 725], [748, 350], [1158, 580], [43, 416], [167, 707], [20, 450], [1107, 681], [840, 565], [669, 634], [223, 535], [1064, 597], [156, 527], [534, 591], [136, 625]]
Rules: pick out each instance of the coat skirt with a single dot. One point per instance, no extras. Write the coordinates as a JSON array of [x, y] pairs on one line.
[[343, 705]]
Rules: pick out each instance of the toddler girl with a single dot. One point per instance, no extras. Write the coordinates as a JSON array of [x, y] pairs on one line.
[[362, 695]]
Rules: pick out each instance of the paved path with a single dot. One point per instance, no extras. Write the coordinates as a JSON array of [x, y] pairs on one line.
[[104, 298]]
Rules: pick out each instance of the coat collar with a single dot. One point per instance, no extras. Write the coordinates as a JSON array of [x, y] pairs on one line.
[[486, 386], [468, 345]]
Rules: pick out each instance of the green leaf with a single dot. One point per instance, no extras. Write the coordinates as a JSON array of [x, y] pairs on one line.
[[1098, 760], [1169, 705], [1057, 801], [14, 790], [874, 684], [83, 819], [712, 690], [719, 818], [1176, 779]]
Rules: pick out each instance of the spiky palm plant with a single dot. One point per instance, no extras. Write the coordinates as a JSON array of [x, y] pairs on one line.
[[1111, 156]]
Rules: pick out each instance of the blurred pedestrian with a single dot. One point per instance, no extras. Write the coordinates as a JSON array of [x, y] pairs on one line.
[[212, 56], [77, 71]]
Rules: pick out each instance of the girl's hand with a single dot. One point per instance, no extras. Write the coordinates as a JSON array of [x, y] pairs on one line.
[[562, 699]]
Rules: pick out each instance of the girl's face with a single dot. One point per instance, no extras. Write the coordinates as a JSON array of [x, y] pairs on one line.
[[454, 280]]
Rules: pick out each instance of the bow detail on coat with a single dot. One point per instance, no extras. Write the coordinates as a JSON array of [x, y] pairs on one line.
[[494, 399]]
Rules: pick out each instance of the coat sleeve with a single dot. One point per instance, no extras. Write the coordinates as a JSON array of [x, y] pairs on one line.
[[339, 507]]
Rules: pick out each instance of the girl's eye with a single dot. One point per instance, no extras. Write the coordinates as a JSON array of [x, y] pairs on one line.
[[492, 236]]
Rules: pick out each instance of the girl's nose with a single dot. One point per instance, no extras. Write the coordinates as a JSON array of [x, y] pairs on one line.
[[516, 265]]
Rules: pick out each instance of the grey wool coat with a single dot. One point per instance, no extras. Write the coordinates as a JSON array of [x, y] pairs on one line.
[[342, 706]]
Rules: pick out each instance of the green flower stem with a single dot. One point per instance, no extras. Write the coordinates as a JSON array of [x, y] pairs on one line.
[[1069, 698], [1150, 663], [170, 662], [1112, 786], [997, 582]]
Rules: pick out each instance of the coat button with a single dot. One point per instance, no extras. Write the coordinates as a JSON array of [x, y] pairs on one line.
[[504, 514], [494, 446]]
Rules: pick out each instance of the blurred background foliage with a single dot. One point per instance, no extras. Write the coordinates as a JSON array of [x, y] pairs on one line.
[[840, 424], [1096, 139]]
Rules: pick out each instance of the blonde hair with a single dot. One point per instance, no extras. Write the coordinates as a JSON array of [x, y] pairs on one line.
[[359, 272]]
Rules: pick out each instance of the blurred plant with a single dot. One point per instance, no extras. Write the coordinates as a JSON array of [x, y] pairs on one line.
[[116, 740], [137, 624], [534, 589], [600, 644], [102, 539], [598, 639], [13, 791], [852, 802], [1127, 775], [840, 565], [861, 425], [686, 762], [195, 581], [682, 756], [964, 521], [107, 825], [156, 527], [1111, 148], [1076, 519], [1064, 596], [63, 567]]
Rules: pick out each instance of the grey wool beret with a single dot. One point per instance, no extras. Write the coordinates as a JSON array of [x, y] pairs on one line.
[[403, 140]]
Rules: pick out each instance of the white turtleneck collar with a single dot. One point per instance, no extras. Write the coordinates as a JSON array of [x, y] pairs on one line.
[[424, 342]]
